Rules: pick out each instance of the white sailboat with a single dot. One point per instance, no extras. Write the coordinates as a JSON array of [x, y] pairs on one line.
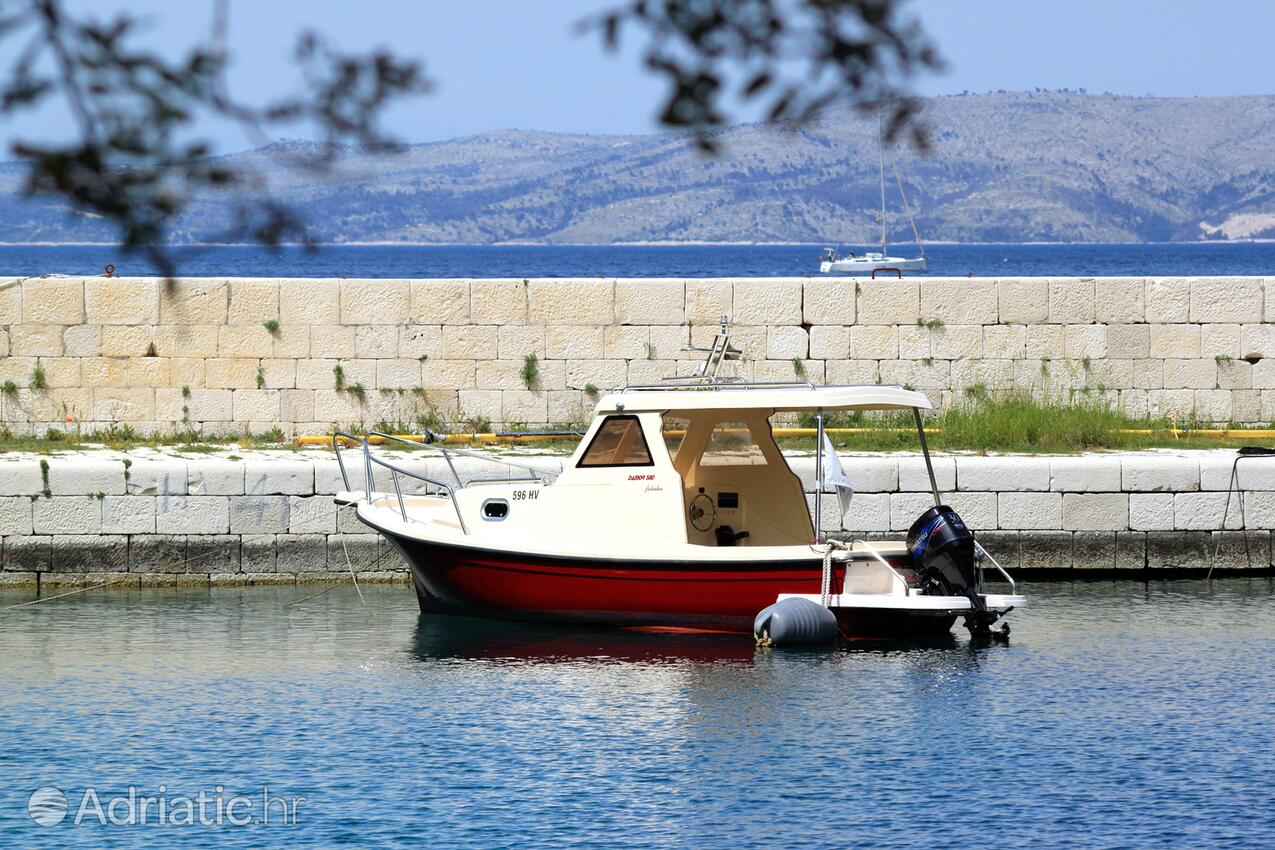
[[851, 263]]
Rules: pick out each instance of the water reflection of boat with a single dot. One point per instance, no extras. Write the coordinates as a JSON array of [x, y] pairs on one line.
[[678, 509]]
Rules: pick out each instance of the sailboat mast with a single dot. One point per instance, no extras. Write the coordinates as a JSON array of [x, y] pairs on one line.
[[881, 154]]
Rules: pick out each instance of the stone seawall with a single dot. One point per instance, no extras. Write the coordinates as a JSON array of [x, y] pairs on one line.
[[217, 356], [259, 517]]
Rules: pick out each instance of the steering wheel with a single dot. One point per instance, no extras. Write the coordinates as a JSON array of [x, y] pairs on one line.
[[702, 512]]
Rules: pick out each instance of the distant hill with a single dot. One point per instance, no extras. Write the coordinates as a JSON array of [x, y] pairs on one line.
[[1003, 167]]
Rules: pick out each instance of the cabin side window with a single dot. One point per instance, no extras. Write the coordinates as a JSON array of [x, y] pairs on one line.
[[732, 444], [618, 442]]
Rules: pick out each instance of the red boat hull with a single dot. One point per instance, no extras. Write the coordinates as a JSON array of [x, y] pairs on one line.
[[723, 595]]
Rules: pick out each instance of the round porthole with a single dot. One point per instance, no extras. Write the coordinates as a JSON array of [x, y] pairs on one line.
[[495, 510]]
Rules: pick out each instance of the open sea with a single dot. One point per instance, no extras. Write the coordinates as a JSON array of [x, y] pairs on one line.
[[1119, 715], [518, 261]]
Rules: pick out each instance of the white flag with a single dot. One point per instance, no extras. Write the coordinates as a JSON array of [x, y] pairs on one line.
[[836, 476]]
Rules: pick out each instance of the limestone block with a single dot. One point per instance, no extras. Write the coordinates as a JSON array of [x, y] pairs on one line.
[[768, 301], [1148, 374], [652, 371], [213, 554], [340, 407], [1045, 549], [1240, 550], [10, 301], [574, 343], [868, 512], [1095, 511], [978, 510], [316, 374], [253, 301], [279, 373], [1071, 301], [1179, 403], [81, 340], [1219, 340], [399, 374], [1002, 341], [439, 302], [194, 515], [1128, 341], [1093, 550], [912, 474], [1120, 300], [994, 474], [169, 341], [992, 374], [202, 405], [600, 373], [650, 302], [1151, 511], [1169, 300], [15, 515], [231, 373], [1214, 406], [568, 406], [786, 370], [296, 406], [517, 341], [669, 343], [479, 405], [1257, 341], [1259, 509], [960, 301], [121, 340], [421, 341], [67, 515], [888, 302], [53, 301], [906, 507], [1085, 474], [1226, 299], [499, 375], [1190, 374], [708, 300], [311, 515], [1234, 374], [1203, 511], [874, 342], [255, 405], [85, 475], [957, 341], [1046, 341], [452, 374], [36, 340], [245, 341], [154, 477], [470, 342], [121, 300], [128, 514], [1159, 473], [148, 372], [787, 342], [827, 302], [498, 302], [193, 301], [278, 476], [918, 374], [375, 341], [1023, 301], [367, 302], [571, 302], [1085, 341], [62, 372], [1029, 510], [292, 341], [92, 553], [309, 302], [832, 342], [870, 474], [215, 477], [27, 553], [301, 553], [914, 342], [328, 480], [17, 369], [523, 406], [257, 555], [1246, 406]]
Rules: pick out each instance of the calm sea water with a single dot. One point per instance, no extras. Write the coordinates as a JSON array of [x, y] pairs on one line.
[[1119, 716], [645, 261]]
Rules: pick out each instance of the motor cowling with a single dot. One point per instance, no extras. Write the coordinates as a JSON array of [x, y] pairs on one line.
[[942, 549]]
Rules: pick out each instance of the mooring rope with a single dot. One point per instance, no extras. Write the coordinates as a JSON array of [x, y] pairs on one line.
[[825, 585]]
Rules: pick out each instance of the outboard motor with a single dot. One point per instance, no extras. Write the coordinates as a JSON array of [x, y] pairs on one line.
[[942, 550]]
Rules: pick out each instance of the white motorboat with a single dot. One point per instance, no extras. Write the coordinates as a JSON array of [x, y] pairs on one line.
[[677, 510]]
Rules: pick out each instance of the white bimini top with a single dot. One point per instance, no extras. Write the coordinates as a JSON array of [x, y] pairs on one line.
[[781, 397]]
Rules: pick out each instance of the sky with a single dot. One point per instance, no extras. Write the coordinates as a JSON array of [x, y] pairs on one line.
[[499, 64]]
